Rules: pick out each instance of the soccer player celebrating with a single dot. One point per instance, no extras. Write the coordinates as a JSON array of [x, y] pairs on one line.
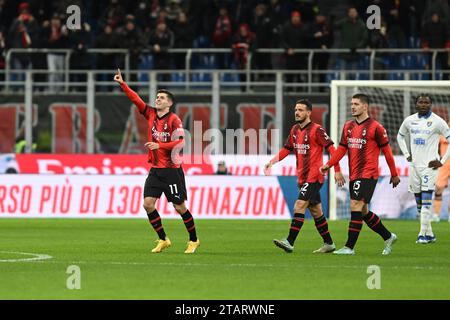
[[422, 130], [363, 138], [165, 135], [307, 139]]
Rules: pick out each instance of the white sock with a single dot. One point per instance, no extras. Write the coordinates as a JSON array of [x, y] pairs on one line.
[[425, 221]]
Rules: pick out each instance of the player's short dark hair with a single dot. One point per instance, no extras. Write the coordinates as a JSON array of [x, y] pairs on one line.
[[364, 98], [424, 95], [306, 102], [169, 95]]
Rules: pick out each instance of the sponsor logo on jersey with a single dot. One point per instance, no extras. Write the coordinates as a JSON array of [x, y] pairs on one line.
[[419, 141], [302, 148], [161, 136], [356, 143], [420, 131]]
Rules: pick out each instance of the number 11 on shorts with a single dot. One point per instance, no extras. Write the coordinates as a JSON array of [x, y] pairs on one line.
[[173, 187]]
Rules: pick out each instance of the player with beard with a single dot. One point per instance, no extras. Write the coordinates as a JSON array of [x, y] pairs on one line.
[[363, 138], [307, 140]]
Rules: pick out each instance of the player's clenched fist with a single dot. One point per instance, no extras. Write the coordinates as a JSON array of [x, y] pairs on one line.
[[118, 77]]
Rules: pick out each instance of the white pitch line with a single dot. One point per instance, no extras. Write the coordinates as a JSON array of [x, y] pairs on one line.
[[36, 257], [249, 265]]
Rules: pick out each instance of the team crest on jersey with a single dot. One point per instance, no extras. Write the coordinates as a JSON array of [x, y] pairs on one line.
[[306, 138], [165, 126], [364, 132], [429, 123]]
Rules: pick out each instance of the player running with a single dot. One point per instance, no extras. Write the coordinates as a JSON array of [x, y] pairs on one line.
[[165, 135], [363, 138], [307, 139], [422, 130]]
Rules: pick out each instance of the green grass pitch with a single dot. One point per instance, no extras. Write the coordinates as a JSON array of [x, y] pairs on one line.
[[236, 260]]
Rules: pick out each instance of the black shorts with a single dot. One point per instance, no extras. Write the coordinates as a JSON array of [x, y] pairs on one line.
[[362, 189], [168, 180], [310, 192]]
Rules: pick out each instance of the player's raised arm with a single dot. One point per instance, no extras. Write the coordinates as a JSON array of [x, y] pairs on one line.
[[132, 95]]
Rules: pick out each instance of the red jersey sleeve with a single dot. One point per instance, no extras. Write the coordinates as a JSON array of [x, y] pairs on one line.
[[144, 108], [177, 128], [381, 136], [322, 138]]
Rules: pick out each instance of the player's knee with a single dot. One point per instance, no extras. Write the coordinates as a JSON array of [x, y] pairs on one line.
[[300, 205], [149, 205], [180, 208], [315, 210], [356, 205]]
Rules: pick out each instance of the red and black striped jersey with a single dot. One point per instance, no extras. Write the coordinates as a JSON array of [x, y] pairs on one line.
[[163, 129], [308, 145], [364, 141]]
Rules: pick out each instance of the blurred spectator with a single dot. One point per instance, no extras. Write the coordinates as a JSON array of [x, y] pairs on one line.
[[113, 15], [243, 44], [22, 34], [436, 6], [160, 17], [107, 61], [378, 39], [241, 11], [321, 39], [333, 9], [404, 15], [222, 168], [353, 36], [222, 35], [142, 15], [55, 36], [173, 10], [184, 37], [293, 36], [435, 34], [278, 13], [161, 41], [80, 41], [3, 15], [131, 38], [201, 15], [263, 28]]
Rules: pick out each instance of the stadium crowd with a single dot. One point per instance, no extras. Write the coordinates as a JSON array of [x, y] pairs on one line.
[[154, 26]]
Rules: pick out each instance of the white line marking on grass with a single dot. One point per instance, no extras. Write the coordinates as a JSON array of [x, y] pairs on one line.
[[36, 257], [248, 265]]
